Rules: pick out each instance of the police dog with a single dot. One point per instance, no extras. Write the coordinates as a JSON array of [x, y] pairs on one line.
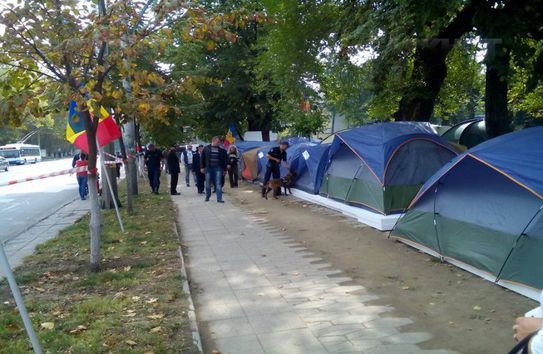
[[275, 185]]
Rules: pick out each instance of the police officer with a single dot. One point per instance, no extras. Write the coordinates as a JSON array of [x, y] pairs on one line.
[[275, 156]]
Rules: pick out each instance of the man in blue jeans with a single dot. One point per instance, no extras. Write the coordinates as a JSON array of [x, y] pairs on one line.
[[213, 164]]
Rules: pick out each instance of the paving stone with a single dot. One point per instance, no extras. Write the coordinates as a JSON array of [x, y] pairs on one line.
[[237, 345], [408, 338], [372, 333], [393, 349], [389, 322], [231, 327], [338, 330], [277, 322], [299, 341]]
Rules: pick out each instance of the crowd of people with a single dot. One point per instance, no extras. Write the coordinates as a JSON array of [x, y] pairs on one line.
[[205, 166]]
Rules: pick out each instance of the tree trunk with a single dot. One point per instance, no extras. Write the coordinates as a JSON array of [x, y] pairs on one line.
[[130, 139], [429, 72], [497, 117], [430, 68], [95, 225]]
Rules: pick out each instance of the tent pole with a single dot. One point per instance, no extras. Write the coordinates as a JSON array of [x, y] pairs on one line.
[[435, 223], [4, 265], [352, 181], [523, 233]]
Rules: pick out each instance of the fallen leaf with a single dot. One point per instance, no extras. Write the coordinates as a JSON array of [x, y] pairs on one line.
[[143, 243], [79, 329], [47, 325], [477, 308], [148, 232], [405, 288], [135, 298], [41, 290], [156, 316], [127, 268], [155, 330], [151, 300], [130, 342]]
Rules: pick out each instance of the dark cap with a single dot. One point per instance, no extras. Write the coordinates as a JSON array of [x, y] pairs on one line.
[[284, 142]]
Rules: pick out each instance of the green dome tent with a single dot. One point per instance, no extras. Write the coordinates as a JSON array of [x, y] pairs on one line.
[[483, 212], [381, 166]]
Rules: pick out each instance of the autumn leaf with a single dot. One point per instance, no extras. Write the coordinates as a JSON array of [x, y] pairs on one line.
[[47, 325], [130, 342], [156, 316]]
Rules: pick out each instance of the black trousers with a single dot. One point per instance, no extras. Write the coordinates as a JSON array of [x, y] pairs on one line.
[[200, 181], [154, 178], [174, 178], [233, 176]]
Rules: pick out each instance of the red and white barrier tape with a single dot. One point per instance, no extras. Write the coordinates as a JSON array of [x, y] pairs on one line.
[[45, 175]]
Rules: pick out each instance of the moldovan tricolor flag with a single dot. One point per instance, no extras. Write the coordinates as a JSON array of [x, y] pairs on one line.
[[230, 136], [75, 129], [107, 131]]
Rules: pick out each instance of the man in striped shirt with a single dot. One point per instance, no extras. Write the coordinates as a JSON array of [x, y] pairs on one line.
[[213, 165]]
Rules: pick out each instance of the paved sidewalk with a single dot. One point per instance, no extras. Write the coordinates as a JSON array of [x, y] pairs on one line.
[[24, 244], [257, 291]]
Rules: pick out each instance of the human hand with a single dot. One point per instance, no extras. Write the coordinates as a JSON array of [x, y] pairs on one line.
[[202, 170], [526, 325]]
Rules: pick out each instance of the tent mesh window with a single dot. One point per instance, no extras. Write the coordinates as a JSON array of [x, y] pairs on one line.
[[349, 179], [409, 168]]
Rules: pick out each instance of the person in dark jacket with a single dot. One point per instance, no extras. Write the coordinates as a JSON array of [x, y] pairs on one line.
[[233, 168], [196, 166], [276, 156], [213, 163], [172, 160], [155, 163]]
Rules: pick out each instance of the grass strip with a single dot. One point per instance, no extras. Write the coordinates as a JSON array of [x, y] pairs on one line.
[[135, 304]]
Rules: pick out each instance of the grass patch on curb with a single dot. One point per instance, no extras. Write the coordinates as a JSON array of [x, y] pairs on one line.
[[135, 304]]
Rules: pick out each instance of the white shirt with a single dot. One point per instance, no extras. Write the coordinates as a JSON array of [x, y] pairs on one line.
[[189, 157], [536, 344]]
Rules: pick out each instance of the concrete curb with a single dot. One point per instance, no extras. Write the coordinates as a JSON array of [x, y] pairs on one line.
[[191, 312]]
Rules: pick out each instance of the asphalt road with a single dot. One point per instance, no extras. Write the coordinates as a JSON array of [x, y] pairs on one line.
[[22, 205]]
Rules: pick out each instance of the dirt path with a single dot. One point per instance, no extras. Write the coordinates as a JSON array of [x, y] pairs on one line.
[[464, 312]]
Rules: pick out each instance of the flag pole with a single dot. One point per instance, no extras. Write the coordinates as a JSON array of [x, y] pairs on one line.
[[108, 182], [4, 265]]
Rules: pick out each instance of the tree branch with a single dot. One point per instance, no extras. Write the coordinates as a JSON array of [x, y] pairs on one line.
[[32, 70]]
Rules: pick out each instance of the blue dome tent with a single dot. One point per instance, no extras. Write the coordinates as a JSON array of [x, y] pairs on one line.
[[483, 211], [381, 166], [308, 163]]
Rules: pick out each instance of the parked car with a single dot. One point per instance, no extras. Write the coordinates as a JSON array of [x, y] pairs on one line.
[[4, 164]]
